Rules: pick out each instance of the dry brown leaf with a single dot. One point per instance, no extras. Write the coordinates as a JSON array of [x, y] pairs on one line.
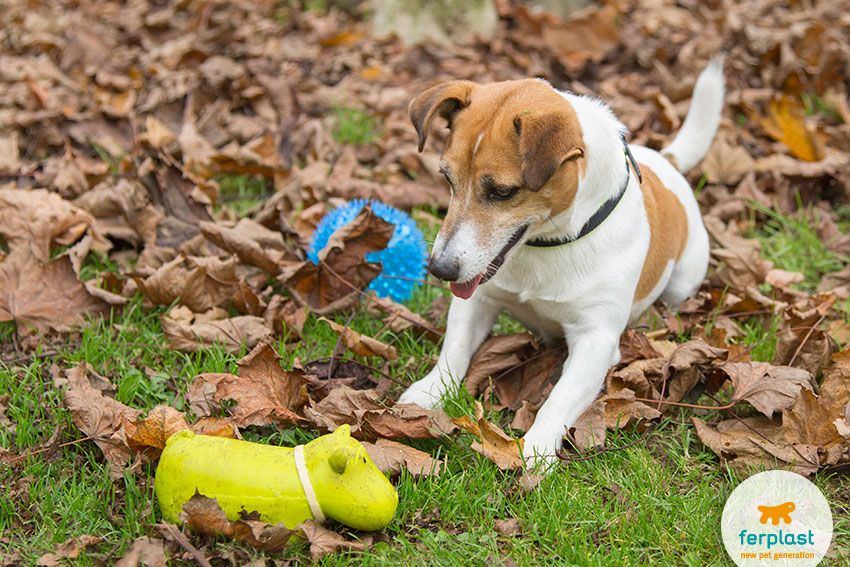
[[683, 368], [230, 334], [392, 457], [361, 345], [400, 317], [70, 549], [621, 409], [588, 431], [265, 393], [345, 254], [98, 416], [725, 163], [44, 296], [149, 434], [493, 443], [368, 417], [325, 542], [35, 221], [204, 515], [199, 283], [767, 388], [254, 244], [144, 551], [756, 442], [635, 345]]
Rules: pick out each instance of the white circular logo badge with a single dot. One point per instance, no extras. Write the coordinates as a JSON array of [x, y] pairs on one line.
[[776, 518]]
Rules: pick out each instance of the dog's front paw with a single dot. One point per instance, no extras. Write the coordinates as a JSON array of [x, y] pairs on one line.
[[424, 394], [540, 446]]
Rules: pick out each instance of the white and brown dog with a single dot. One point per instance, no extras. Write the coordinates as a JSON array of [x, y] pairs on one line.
[[551, 218]]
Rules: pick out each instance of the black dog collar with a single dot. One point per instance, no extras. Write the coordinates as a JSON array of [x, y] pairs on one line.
[[601, 214]]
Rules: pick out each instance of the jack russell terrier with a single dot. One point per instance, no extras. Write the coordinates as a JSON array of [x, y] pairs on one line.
[[556, 219]]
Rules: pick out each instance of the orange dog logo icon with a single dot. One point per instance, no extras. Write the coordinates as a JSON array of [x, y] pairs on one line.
[[776, 513]]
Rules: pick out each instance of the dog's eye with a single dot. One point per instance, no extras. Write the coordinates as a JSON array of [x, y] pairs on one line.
[[502, 193]]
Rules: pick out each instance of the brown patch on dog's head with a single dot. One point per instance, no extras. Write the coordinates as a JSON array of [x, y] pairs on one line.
[[443, 100], [520, 136]]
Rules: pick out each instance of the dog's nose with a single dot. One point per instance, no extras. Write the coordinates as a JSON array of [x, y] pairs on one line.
[[446, 271]]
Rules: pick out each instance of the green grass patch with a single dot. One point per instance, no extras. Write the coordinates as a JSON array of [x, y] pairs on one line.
[[792, 244], [353, 125]]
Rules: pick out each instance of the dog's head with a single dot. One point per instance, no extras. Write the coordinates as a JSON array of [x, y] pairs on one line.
[[514, 159]]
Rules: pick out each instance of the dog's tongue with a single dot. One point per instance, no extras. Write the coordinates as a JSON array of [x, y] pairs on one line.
[[465, 290]]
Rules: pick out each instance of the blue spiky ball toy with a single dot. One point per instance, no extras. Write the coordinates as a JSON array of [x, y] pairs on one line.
[[404, 256]]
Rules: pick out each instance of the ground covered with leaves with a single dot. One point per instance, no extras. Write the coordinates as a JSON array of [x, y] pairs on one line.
[[164, 164]]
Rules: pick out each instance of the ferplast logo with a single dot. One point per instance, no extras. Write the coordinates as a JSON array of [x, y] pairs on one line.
[[776, 518]]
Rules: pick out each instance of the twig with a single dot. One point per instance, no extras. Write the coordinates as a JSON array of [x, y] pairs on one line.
[[332, 363], [355, 288], [32, 355], [417, 280], [45, 449], [170, 530], [805, 339]]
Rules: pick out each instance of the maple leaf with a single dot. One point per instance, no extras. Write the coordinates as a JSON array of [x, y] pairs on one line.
[[767, 388], [44, 296], [204, 515], [324, 542], [368, 417], [265, 393], [323, 287], [361, 345], [392, 457], [229, 334], [493, 443]]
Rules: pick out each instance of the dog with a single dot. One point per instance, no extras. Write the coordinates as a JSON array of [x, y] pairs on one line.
[[554, 218]]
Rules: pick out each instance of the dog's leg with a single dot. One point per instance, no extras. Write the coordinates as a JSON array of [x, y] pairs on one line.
[[469, 323], [591, 354]]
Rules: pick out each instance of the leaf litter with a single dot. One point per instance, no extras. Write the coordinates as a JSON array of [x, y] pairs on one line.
[[116, 137]]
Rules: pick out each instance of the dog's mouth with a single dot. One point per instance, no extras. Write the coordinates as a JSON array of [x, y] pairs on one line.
[[464, 290]]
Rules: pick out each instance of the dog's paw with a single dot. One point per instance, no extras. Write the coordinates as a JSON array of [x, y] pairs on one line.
[[424, 394], [540, 446]]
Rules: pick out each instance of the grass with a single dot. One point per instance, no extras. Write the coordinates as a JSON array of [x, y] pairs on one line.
[[353, 125], [241, 191], [792, 243], [657, 502]]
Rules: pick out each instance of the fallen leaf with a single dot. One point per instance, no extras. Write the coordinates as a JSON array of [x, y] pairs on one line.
[[44, 296], [368, 417], [755, 442], [70, 549], [767, 388], [588, 431], [98, 416], [725, 163], [35, 221], [328, 287], [510, 527], [254, 244], [265, 393], [200, 283], [361, 345], [392, 457], [149, 434], [325, 542], [493, 443], [229, 334], [204, 515], [786, 122], [144, 551]]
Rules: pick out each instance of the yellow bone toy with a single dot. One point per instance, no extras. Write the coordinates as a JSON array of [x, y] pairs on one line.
[[344, 482]]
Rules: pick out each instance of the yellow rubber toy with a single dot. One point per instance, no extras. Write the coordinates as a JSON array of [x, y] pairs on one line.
[[250, 477]]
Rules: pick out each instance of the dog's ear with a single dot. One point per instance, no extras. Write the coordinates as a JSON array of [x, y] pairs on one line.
[[442, 100], [545, 142]]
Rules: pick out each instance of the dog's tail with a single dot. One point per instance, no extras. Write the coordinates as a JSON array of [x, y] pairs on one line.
[[692, 142]]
